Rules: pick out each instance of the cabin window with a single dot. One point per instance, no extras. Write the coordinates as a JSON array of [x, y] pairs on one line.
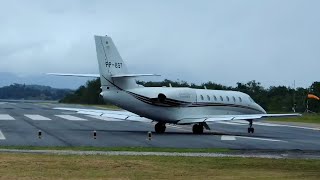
[[208, 97], [228, 98], [221, 98], [240, 99], [234, 99], [201, 97], [214, 97]]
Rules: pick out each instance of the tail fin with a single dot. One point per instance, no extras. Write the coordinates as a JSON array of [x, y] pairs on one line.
[[111, 64]]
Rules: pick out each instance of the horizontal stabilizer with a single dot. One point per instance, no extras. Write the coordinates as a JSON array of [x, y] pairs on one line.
[[132, 75], [75, 75], [97, 75]]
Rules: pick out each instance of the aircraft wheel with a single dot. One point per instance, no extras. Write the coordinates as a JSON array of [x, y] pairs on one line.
[[197, 129], [250, 130], [160, 128]]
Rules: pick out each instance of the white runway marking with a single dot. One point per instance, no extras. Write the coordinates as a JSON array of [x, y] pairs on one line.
[[262, 139], [177, 127], [2, 137], [37, 117], [104, 118], [70, 118], [228, 138], [6, 117]]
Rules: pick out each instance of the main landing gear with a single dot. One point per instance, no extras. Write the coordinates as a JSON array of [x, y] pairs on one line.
[[160, 127], [250, 128], [197, 129]]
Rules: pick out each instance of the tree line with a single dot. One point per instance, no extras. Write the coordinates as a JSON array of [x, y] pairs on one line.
[[32, 92], [272, 99]]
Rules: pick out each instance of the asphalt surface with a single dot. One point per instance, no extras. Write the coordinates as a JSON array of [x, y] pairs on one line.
[[20, 123]]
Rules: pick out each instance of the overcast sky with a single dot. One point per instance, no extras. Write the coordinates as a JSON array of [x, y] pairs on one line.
[[273, 42]]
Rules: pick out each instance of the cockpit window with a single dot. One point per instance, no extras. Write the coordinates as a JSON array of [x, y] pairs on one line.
[[240, 99]]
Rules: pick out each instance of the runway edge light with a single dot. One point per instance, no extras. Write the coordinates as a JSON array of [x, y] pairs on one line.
[[94, 134], [149, 135], [39, 134]]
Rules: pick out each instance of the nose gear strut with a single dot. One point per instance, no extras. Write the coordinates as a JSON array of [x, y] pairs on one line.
[[250, 128]]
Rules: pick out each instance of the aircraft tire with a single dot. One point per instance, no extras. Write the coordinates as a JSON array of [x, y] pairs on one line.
[[250, 130], [197, 129], [160, 128]]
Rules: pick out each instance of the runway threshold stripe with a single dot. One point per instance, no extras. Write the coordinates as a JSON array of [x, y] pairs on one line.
[[6, 117], [228, 138], [177, 127], [2, 137], [71, 118], [36, 117], [262, 139]]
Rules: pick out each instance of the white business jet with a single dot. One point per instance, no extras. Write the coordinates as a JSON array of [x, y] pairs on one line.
[[180, 106]]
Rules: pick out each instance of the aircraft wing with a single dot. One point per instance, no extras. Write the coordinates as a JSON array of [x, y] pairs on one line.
[[125, 115], [115, 114], [234, 117]]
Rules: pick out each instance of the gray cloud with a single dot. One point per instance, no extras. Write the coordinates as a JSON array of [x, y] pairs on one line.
[[274, 42]]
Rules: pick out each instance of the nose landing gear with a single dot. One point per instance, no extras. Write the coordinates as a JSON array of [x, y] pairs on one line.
[[250, 128]]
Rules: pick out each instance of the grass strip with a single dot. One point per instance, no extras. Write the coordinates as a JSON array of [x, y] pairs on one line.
[[134, 149], [39, 166], [305, 118]]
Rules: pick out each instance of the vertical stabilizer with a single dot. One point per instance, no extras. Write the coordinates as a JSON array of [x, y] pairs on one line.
[[111, 64]]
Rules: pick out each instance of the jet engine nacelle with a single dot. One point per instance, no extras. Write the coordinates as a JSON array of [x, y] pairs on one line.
[[165, 95], [162, 98], [175, 96]]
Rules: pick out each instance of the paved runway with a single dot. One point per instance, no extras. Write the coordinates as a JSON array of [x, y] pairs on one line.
[[20, 123]]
